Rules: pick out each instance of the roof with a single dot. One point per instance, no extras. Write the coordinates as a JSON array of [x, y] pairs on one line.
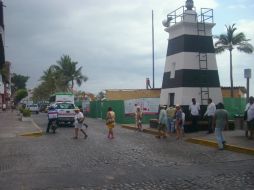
[[126, 94], [242, 88]]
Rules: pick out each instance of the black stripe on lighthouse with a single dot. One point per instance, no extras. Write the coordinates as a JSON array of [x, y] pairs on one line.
[[191, 78], [190, 43]]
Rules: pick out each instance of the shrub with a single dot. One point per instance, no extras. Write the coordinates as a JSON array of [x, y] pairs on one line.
[[26, 113], [21, 109]]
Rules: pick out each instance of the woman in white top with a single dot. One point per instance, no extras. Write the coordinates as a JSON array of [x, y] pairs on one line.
[[79, 118]]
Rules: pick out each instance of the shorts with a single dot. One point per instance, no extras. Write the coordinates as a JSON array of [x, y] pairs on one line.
[[79, 125], [111, 125]]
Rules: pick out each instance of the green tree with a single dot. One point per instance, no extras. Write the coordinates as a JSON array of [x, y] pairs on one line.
[[67, 73], [101, 95], [229, 41], [20, 94], [4, 72], [19, 81], [49, 80]]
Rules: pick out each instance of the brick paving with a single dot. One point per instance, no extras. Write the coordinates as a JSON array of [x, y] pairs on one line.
[[132, 160]]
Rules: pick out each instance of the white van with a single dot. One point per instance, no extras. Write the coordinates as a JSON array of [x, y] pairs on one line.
[[34, 108]]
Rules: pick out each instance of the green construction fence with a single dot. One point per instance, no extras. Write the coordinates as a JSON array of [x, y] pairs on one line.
[[235, 106], [98, 109]]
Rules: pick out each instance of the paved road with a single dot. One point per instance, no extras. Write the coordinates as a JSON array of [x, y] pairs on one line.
[[132, 160]]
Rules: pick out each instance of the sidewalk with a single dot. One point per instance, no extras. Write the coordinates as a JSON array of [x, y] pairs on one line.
[[12, 126], [235, 140]]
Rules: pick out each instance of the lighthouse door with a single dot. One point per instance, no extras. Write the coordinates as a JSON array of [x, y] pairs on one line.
[[171, 99]]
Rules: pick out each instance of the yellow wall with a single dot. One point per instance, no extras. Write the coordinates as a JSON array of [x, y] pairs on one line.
[[237, 93], [132, 94]]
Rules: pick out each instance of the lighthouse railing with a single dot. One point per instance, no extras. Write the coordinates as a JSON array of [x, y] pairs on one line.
[[206, 15], [178, 15]]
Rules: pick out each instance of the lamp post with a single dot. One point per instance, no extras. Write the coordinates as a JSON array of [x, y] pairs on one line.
[[247, 75]]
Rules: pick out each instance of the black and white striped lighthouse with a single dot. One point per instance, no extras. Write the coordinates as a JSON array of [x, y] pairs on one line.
[[190, 69]]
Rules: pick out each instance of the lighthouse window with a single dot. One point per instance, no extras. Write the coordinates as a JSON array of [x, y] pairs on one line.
[[173, 68]]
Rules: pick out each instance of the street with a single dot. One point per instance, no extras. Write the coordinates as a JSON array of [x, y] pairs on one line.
[[132, 160]]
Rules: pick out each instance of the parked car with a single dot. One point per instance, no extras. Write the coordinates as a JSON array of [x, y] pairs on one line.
[[34, 108]]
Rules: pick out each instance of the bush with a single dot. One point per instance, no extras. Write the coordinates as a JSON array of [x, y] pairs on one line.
[[26, 113], [21, 109]]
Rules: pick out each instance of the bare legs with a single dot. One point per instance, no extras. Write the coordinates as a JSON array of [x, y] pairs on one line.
[[110, 133]]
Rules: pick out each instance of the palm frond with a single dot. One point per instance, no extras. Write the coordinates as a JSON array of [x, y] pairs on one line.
[[246, 48], [219, 49]]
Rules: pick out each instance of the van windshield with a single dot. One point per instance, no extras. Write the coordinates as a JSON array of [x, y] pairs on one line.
[[65, 106]]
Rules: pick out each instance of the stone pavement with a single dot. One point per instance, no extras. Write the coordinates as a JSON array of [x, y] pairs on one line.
[[11, 125], [236, 140], [131, 160]]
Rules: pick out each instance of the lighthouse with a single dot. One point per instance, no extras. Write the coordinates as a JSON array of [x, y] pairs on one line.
[[190, 68]]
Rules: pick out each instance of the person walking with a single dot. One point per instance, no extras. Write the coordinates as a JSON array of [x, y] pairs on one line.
[[79, 118], [171, 110], [250, 117], [220, 121], [110, 122], [138, 118], [179, 122], [162, 122], [194, 111], [211, 108]]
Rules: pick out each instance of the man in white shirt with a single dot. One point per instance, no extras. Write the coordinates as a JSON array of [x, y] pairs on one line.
[[211, 108], [250, 116], [194, 109]]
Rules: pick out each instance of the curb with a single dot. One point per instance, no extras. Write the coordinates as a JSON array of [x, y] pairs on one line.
[[200, 141], [149, 131], [33, 134], [229, 147]]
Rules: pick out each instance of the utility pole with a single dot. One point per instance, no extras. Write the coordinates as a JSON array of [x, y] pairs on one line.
[[153, 46]]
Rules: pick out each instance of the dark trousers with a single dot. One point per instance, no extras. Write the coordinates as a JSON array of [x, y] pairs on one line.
[[210, 123], [85, 124], [194, 119], [48, 127]]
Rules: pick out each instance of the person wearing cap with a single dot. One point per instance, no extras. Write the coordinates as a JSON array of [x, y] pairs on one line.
[[162, 122], [138, 118], [250, 117], [79, 118]]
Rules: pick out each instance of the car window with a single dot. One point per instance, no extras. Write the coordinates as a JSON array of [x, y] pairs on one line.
[[65, 106]]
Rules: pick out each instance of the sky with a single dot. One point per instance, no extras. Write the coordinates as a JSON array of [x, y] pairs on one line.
[[112, 39]]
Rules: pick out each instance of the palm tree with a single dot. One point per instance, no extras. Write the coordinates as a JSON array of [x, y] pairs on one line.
[[228, 42], [68, 72], [49, 79]]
